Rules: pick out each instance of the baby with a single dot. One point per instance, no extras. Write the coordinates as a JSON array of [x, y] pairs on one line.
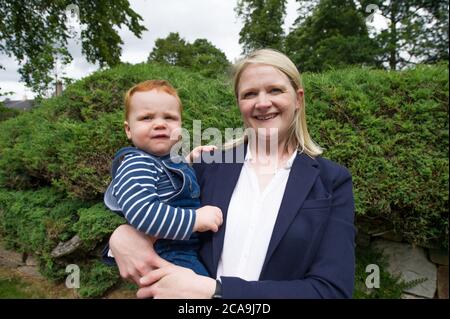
[[157, 194]]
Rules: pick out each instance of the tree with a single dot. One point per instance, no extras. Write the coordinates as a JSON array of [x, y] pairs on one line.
[[172, 50], [35, 32], [207, 59], [305, 10], [200, 56], [263, 24], [417, 32], [335, 35]]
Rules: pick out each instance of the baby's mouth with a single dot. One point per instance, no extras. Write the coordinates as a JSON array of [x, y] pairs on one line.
[[160, 136]]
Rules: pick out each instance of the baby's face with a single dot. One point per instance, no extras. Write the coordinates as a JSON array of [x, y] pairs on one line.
[[154, 121]]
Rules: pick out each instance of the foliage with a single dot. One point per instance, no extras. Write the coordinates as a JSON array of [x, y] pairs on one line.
[[36, 32], [6, 113], [96, 278], [335, 35], [263, 24], [94, 224], [36, 221], [417, 32], [391, 130], [200, 56]]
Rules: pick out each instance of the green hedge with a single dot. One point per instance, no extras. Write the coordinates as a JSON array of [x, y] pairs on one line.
[[6, 113], [389, 128]]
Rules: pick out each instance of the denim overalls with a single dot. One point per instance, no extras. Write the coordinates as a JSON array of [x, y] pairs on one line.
[[182, 177]]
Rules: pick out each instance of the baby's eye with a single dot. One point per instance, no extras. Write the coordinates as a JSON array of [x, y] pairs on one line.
[[146, 118]]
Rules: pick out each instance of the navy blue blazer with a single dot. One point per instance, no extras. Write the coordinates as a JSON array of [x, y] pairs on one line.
[[312, 249]]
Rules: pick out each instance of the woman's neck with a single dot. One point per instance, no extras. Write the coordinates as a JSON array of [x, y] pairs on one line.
[[271, 154]]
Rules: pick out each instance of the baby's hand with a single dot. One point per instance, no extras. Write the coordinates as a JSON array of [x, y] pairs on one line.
[[197, 152], [208, 218]]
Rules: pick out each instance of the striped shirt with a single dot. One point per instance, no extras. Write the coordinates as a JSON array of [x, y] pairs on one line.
[[142, 188]]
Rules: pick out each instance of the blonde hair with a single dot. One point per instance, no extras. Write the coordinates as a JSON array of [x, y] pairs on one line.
[[149, 85], [298, 136]]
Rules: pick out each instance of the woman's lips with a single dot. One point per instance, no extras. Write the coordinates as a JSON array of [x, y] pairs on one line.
[[266, 117]]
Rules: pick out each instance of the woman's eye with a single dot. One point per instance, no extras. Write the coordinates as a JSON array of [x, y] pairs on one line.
[[276, 90], [249, 95]]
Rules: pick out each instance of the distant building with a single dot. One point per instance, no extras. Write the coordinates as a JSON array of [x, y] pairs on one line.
[[22, 105], [26, 104]]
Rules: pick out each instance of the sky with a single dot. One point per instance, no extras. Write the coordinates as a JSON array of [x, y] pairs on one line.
[[214, 20]]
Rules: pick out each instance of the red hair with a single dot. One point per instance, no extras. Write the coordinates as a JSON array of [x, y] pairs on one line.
[[158, 85]]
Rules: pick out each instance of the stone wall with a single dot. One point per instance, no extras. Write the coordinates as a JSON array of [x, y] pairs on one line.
[[427, 267]]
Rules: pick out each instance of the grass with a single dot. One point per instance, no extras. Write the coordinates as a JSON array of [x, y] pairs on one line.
[[14, 285]]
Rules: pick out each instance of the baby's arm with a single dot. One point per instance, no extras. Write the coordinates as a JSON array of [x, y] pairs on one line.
[[135, 190], [208, 218]]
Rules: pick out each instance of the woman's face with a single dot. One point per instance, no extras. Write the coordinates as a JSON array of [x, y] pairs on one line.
[[267, 100]]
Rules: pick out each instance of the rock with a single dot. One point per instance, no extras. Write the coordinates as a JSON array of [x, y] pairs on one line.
[[31, 271], [392, 236], [66, 248], [10, 258], [31, 261], [409, 296], [411, 264], [439, 257], [442, 282]]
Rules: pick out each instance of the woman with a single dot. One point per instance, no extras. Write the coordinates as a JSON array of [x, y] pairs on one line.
[[288, 227]]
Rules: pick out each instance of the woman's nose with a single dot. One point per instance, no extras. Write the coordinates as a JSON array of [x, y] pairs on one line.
[[263, 101]]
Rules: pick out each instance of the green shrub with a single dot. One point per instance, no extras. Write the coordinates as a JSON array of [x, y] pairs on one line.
[[390, 129], [95, 224], [36, 221], [6, 113], [96, 278]]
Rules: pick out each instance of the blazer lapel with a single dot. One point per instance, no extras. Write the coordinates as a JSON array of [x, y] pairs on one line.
[[303, 174]]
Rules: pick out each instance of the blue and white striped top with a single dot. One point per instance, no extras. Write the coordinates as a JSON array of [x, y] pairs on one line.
[[141, 188]]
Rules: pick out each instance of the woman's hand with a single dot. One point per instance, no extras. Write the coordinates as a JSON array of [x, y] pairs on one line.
[[134, 253], [197, 152], [175, 282]]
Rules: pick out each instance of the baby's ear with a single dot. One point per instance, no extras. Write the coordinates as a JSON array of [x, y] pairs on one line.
[[127, 129]]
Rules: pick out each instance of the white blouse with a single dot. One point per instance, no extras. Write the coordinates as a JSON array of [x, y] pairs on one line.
[[250, 220]]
